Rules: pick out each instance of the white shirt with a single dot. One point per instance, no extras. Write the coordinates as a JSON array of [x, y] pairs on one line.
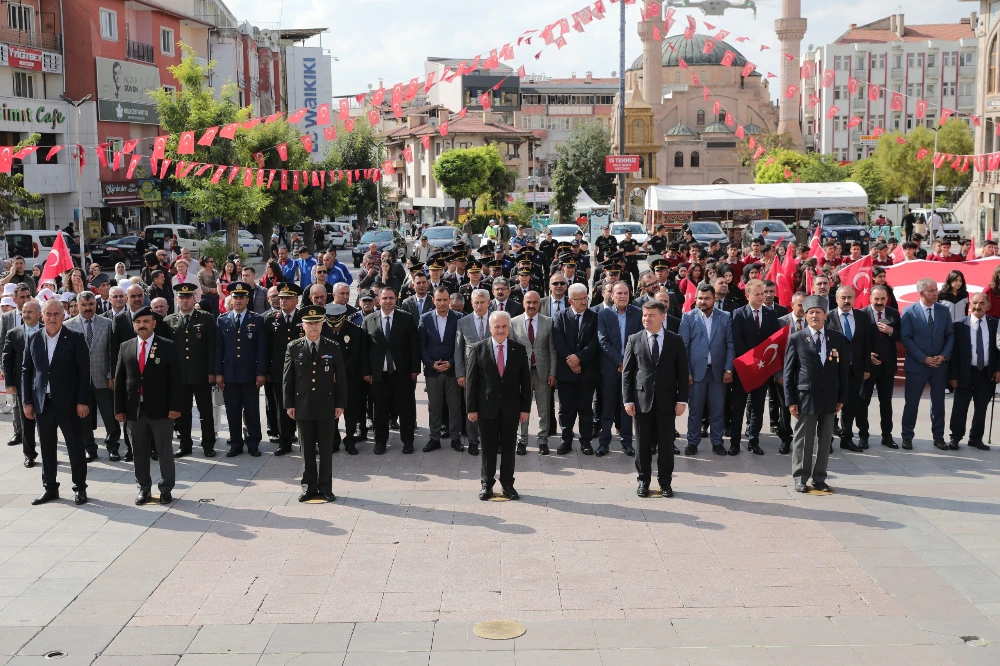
[[850, 318], [984, 332], [707, 319], [50, 347], [139, 355], [386, 318], [442, 324], [496, 346], [822, 342]]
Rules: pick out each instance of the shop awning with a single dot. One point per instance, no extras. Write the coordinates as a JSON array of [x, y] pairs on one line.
[[779, 196]]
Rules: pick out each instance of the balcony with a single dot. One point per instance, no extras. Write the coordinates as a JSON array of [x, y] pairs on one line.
[[139, 51], [966, 101], [933, 72], [859, 104], [398, 163], [967, 70], [52, 42], [896, 73]]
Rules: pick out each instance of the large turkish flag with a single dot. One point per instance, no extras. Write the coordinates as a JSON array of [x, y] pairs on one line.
[[904, 277], [757, 365]]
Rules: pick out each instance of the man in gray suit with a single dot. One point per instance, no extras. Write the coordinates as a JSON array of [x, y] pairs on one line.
[[471, 329], [8, 321], [97, 332], [708, 339], [534, 331], [556, 301], [421, 301], [615, 325]]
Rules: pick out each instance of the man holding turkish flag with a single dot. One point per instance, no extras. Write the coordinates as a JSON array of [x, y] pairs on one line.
[[59, 260], [859, 276]]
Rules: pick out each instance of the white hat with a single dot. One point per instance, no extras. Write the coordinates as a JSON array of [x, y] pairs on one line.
[[7, 300], [67, 296], [51, 281], [45, 295], [9, 288]]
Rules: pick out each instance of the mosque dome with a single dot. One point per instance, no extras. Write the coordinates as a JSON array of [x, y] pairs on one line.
[[692, 51]]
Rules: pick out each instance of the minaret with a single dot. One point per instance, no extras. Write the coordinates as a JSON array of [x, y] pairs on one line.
[[790, 28], [652, 62]]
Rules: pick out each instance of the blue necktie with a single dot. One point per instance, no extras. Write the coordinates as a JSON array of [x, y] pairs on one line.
[[847, 328]]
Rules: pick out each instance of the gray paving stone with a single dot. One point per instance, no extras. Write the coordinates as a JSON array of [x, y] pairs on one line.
[[559, 635], [798, 631], [458, 636], [12, 639], [144, 660], [386, 659], [717, 632], [231, 639], [164, 640], [306, 659], [635, 634], [465, 657], [391, 637], [658, 656], [557, 658], [71, 640], [310, 638]]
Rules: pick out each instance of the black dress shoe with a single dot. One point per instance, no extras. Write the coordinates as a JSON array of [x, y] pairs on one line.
[[485, 494], [890, 443], [953, 445], [980, 446], [408, 448], [394, 424], [432, 445], [79, 498], [726, 432], [362, 436], [785, 448], [456, 445], [601, 451], [282, 450], [329, 497], [908, 444], [129, 457], [940, 444], [863, 443], [114, 457], [628, 449], [180, 453], [564, 449], [586, 449], [154, 456], [755, 449], [720, 450], [209, 452], [90, 457], [255, 454], [821, 486], [351, 449], [521, 450], [850, 446], [801, 488], [774, 429], [690, 450], [29, 462], [473, 449], [543, 449], [166, 497], [142, 497], [14, 441], [677, 451], [47, 496], [379, 449], [734, 450], [305, 497], [667, 491], [642, 490], [232, 453], [704, 433], [510, 493]]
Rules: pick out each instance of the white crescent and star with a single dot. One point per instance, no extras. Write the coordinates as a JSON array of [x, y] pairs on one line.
[[773, 348]]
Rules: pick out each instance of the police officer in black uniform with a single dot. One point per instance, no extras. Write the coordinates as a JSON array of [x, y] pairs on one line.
[[605, 245], [657, 243], [549, 247], [314, 388], [281, 327], [568, 264], [630, 247], [193, 333]]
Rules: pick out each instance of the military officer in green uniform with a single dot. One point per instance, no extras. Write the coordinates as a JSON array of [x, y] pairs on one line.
[[193, 333], [315, 393], [351, 339], [281, 327]]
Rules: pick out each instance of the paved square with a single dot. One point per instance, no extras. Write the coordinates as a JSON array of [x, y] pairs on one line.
[[901, 565]]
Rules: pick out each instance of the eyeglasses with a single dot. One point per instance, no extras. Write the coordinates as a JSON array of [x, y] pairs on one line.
[[558, 284], [322, 272]]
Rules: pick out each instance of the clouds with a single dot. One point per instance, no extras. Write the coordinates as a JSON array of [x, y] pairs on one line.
[[390, 39]]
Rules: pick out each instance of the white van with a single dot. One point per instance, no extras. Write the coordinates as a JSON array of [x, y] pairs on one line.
[[33, 244], [187, 236]]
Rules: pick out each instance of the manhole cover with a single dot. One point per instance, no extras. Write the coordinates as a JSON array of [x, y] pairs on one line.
[[974, 641], [498, 630], [499, 498], [55, 654]]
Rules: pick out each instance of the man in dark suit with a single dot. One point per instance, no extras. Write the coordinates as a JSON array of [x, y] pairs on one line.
[[421, 301], [122, 331], [771, 300], [574, 333], [816, 382], [13, 361], [884, 336], [857, 328], [281, 327], [438, 329], [752, 324], [55, 390], [973, 371], [796, 321], [502, 302], [148, 395], [655, 393], [391, 367], [498, 396], [615, 325]]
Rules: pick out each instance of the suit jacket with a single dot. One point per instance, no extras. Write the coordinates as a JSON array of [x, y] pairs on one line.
[[67, 376], [746, 335], [918, 340], [432, 346], [411, 305], [546, 307], [960, 363], [673, 324], [7, 323], [779, 310], [511, 307], [315, 385], [882, 344], [544, 348], [609, 339], [860, 344], [569, 340], [280, 332], [258, 301], [697, 343], [158, 384], [13, 356], [493, 396], [404, 345], [240, 355], [121, 331], [661, 386], [816, 387], [100, 348], [467, 335]]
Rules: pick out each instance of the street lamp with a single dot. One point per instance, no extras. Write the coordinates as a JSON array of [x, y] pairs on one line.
[[79, 182], [378, 183], [934, 177]]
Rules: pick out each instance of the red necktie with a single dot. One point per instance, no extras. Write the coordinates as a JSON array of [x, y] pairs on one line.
[[500, 363], [501, 310], [142, 362], [531, 339]]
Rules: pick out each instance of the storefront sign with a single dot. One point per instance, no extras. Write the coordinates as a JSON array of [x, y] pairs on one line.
[[33, 59], [127, 112], [123, 92], [149, 191], [15, 112], [621, 164], [120, 189]]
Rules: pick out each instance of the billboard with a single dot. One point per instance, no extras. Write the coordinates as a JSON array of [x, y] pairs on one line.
[[33, 59], [621, 164], [310, 83], [123, 92]]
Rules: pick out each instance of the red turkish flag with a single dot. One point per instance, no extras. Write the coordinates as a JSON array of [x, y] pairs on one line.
[[921, 109], [740, 132], [833, 110], [59, 260], [307, 142], [485, 101], [757, 153], [708, 47], [815, 245], [444, 129], [345, 109], [282, 149], [656, 34], [209, 136], [52, 151], [429, 83], [360, 98], [397, 94], [855, 121], [6, 158], [689, 293], [896, 101], [681, 63], [349, 125], [728, 58], [323, 114], [785, 288], [688, 33], [101, 150], [250, 124], [730, 121], [229, 131], [258, 157], [133, 162], [852, 85], [294, 118], [374, 117], [791, 91], [897, 255], [705, 92], [397, 110], [463, 111], [653, 10], [217, 176], [813, 100], [763, 361], [408, 154], [748, 69], [260, 177], [116, 163], [975, 120], [163, 168], [828, 77], [945, 115], [247, 177], [904, 277], [284, 179], [507, 52], [695, 79], [426, 141], [203, 168], [901, 140], [330, 133], [378, 96], [388, 168], [273, 118], [859, 276], [716, 107], [873, 92], [270, 178], [159, 147]]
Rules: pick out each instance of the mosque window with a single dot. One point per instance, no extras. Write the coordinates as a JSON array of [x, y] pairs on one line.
[[678, 159], [695, 159]]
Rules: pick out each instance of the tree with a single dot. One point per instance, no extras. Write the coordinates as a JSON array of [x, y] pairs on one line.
[[13, 196], [869, 174], [772, 166], [501, 180], [565, 191], [359, 150], [464, 173], [954, 138], [906, 174], [822, 168], [583, 155], [771, 142]]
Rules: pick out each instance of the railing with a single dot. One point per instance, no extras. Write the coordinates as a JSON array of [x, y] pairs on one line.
[[896, 73], [859, 104], [139, 51], [51, 42]]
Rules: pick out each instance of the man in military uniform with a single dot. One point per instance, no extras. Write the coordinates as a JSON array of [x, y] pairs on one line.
[[435, 274], [476, 281], [506, 263], [351, 339], [568, 263], [612, 275], [605, 245], [193, 333], [280, 328], [524, 284], [407, 290], [240, 369], [315, 392]]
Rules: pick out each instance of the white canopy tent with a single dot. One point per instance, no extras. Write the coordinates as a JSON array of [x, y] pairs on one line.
[[584, 204], [778, 196]]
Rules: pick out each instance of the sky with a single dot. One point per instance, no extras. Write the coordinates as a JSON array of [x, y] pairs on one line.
[[390, 39]]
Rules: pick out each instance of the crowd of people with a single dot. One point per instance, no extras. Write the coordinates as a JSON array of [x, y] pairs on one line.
[[596, 346]]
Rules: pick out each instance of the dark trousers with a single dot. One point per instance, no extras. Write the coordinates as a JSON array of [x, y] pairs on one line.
[[313, 436], [271, 407], [284, 428], [979, 392], [202, 395], [913, 389], [354, 413], [27, 428], [654, 432], [882, 383], [632, 269], [576, 397], [394, 394], [149, 434], [614, 411], [102, 400], [851, 408], [738, 405], [48, 421], [774, 403], [598, 404], [498, 437], [243, 406], [784, 416]]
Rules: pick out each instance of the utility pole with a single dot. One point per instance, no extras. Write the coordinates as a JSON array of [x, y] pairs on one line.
[[621, 109], [79, 174], [933, 179]]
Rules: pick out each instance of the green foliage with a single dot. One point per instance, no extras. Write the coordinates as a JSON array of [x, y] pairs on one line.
[[774, 172], [905, 174], [869, 174], [464, 173], [771, 142], [475, 223], [14, 199], [501, 180], [822, 168], [360, 150], [954, 138], [215, 248], [565, 191], [520, 210], [583, 155]]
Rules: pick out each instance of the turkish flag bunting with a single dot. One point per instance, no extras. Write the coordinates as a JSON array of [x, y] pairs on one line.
[[273, 118], [52, 151], [116, 162], [29, 150], [59, 260], [730, 121], [426, 141], [282, 149], [260, 177], [374, 117], [493, 61], [772, 75], [748, 69], [945, 115], [133, 162], [229, 131], [722, 34], [323, 114], [716, 107], [975, 120], [709, 25], [345, 109], [828, 77], [852, 85], [873, 92], [708, 47], [705, 92], [411, 89], [295, 180], [270, 178], [938, 160], [689, 293], [81, 156], [877, 132], [739, 132], [815, 246], [397, 110], [463, 112], [560, 42], [859, 276], [896, 101], [444, 129], [315, 179], [159, 147], [695, 79], [397, 94], [785, 286], [770, 161], [284, 179], [258, 157], [378, 96], [751, 143], [408, 154], [599, 10], [387, 168], [485, 101], [668, 25], [763, 361], [307, 142], [579, 26], [360, 98], [757, 153], [520, 72], [922, 153], [101, 151], [833, 110], [585, 16], [209, 136], [691, 23], [681, 63], [728, 58], [349, 125], [813, 100], [787, 173], [791, 91], [163, 168], [656, 34], [965, 164], [6, 158], [250, 124], [921, 109], [203, 168], [305, 178], [979, 162], [956, 162], [563, 26], [854, 122], [688, 33], [507, 52], [217, 175], [233, 170], [653, 10], [330, 133], [901, 140]]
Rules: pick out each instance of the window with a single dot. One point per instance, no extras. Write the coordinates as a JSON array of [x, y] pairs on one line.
[[930, 89], [678, 159], [109, 24], [897, 61], [677, 76], [931, 120], [949, 58], [166, 41], [967, 59], [20, 17], [701, 117], [837, 92], [931, 59], [915, 90], [966, 89], [909, 123], [991, 60], [838, 63], [920, 60], [881, 61], [878, 121], [948, 89], [24, 84], [169, 89], [860, 62], [909, 59], [895, 121], [437, 148], [695, 159]]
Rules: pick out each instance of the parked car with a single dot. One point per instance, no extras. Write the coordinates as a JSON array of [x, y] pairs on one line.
[[444, 237], [952, 227], [248, 242], [778, 233], [384, 239], [187, 236], [639, 234], [563, 233], [842, 226], [338, 234], [33, 244], [706, 231], [110, 250]]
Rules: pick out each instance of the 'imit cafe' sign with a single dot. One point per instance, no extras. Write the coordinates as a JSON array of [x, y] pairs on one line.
[[31, 115]]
